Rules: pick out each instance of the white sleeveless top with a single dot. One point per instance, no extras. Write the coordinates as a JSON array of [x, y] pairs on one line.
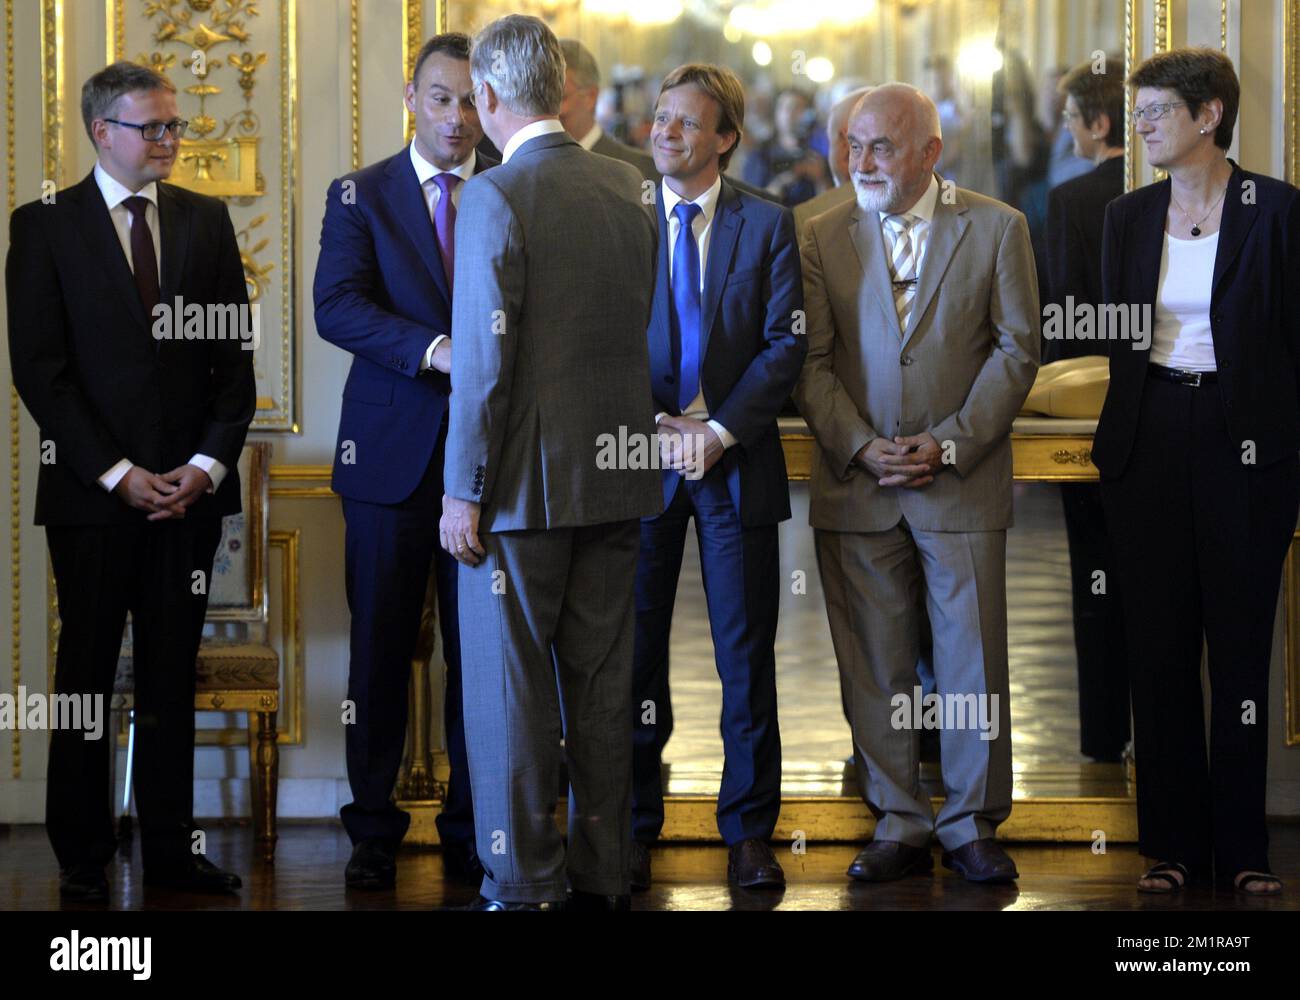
[[1182, 336]]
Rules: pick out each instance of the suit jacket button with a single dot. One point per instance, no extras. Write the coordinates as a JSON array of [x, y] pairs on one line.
[[904, 361], [668, 380]]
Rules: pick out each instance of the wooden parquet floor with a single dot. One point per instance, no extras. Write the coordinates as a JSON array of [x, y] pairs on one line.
[[308, 875]]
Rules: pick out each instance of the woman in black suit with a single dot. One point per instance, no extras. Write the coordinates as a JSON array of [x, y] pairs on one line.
[[1197, 448], [1094, 114]]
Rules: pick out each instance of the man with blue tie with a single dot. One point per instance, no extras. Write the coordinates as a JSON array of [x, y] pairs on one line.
[[383, 292], [724, 357]]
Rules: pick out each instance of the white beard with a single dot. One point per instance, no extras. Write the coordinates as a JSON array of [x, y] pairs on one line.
[[875, 199]]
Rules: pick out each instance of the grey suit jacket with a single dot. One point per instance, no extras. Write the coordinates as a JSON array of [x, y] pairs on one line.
[[808, 210], [961, 370], [554, 279], [606, 145]]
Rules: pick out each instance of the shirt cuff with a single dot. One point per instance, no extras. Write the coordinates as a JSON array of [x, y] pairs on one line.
[[113, 476], [427, 363], [724, 435], [660, 416], [215, 470]]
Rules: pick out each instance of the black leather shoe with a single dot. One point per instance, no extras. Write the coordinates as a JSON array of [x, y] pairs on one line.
[[981, 861], [640, 866], [887, 860], [592, 902], [497, 905], [752, 865], [373, 865], [83, 884], [460, 862], [198, 875]]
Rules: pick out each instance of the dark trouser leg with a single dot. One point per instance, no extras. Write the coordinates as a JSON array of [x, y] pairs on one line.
[[1149, 516], [1245, 516], [389, 554], [742, 585], [167, 627], [1098, 628], [657, 570], [94, 577]]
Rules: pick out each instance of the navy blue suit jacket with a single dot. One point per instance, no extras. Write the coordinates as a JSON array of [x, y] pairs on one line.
[[751, 357], [381, 294], [1254, 303]]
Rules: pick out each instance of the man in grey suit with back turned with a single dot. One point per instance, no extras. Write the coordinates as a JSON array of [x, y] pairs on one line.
[[923, 327], [554, 276]]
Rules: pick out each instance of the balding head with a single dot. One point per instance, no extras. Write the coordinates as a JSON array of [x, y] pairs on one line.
[[836, 125], [894, 143]]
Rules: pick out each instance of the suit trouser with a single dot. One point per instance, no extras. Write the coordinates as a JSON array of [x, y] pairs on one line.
[[1199, 538], [101, 572], [546, 641], [742, 587], [873, 582], [389, 552], [1098, 627]]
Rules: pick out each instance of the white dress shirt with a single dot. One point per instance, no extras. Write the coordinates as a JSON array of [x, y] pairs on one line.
[[115, 195], [424, 173], [543, 126], [923, 213], [702, 227], [588, 141], [1183, 337]]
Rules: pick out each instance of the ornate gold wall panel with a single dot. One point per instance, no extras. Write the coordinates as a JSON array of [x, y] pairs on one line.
[[243, 148], [15, 443]]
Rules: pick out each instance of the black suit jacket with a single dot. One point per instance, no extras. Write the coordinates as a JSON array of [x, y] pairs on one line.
[[87, 366], [1076, 213], [1254, 305]]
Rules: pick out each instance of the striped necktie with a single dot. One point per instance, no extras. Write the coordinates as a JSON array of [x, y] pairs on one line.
[[902, 265]]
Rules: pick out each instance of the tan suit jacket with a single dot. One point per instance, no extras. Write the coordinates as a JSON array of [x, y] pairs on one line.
[[961, 370]]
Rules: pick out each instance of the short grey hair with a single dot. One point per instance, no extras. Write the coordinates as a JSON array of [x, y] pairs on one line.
[[580, 62], [100, 94], [522, 60]]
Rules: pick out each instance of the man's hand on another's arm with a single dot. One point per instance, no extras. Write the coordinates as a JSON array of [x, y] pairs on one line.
[[143, 490]]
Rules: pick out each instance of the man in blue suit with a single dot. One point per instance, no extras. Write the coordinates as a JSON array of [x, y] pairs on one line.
[[383, 292], [724, 356]]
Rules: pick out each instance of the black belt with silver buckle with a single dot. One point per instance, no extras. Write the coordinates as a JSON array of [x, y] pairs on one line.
[[1181, 376]]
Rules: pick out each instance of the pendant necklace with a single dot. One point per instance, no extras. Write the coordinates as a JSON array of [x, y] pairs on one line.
[[1196, 226]]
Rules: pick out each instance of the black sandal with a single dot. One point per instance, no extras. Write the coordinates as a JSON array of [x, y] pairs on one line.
[[1240, 884], [1161, 873]]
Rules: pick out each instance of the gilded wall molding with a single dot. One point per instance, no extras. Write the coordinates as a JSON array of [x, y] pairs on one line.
[[412, 39], [354, 76], [1291, 89], [15, 425], [1160, 38]]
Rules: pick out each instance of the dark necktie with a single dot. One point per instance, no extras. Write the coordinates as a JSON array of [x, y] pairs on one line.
[[144, 259], [444, 223], [686, 303]]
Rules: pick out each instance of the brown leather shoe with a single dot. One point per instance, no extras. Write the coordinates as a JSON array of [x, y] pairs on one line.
[[981, 861], [752, 865], [640, 866], [887, 860]]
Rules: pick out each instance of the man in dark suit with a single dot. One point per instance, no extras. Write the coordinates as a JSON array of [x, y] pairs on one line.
[[143, 434], [554, 279], [1076, 211], [383, 292], [724, 357], [578, 110]]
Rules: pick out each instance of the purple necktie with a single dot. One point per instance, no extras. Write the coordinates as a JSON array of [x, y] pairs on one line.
[[144, 259], [444, 223]]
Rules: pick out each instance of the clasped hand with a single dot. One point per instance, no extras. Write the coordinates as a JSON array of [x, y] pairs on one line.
[[167, 496], [909, 462]]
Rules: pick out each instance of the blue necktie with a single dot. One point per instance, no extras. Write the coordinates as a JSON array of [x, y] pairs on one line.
[[686, 303]]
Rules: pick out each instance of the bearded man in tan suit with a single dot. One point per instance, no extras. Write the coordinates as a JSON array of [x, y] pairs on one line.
[[923, 329]]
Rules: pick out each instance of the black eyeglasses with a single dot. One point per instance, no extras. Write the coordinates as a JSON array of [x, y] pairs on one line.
[[153, 131]]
